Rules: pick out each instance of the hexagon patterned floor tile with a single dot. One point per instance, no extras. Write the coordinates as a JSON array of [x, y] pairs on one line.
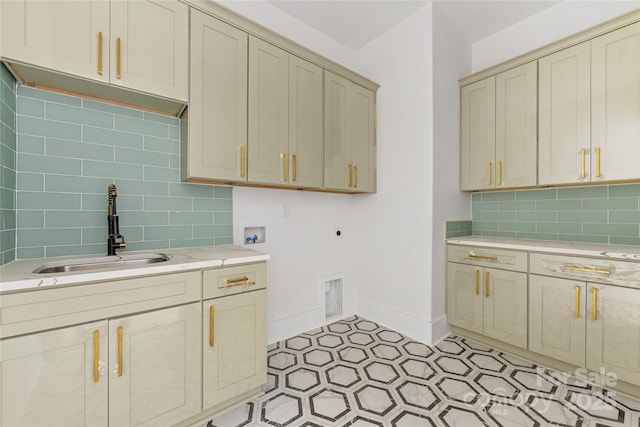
[[356, 373]]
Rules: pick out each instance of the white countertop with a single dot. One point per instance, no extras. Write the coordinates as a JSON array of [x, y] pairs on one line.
[[18, 275], [623, 252]]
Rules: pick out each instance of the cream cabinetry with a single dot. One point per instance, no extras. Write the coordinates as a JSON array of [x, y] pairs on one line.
[[214, 128], [285, 118], [499, 130], [349, 136], [140, 45]]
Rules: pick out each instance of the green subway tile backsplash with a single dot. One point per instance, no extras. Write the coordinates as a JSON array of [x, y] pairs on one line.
[[55, 174], [596, 214]]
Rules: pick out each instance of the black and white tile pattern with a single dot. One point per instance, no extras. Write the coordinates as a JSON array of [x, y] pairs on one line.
[[354, 373]]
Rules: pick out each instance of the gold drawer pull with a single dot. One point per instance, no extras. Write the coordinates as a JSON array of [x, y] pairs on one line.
[[100, 53], [355, 172], [598, 174], [295, 167], [577, 301], [477, 282], [594, 305], [586, 270], [212, 315], [489, 173], [582, 164], [120, 351], [485, 257], [96, 355], [285, 169], [243, 152], [500, 173], [118, 59], [350, 174], [236, 281], [486, 284]]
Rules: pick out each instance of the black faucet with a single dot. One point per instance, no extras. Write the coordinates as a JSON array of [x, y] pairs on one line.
[[112, 221]]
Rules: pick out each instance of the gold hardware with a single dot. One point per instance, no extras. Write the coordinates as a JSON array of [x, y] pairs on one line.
[[240, 280], [96, 354], [212, 316], [120, 351], [100, 53], [489, 174], [477, 282], [598, 162], [118, 52], [582, 154], [588, 270], [295, 167], [594, 305], [486, 284], [286, 166], [577, 301], [499, 182], [485, 257], [242, 160], [350, 175], [355, 170]]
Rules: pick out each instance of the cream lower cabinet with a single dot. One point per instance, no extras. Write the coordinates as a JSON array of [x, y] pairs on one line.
[[488, 301]]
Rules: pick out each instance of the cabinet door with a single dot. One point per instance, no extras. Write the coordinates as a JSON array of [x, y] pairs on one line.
[[154, 367], [564, 116], [464, 296], [305, 123], [153, 52], [59, 35], [217, 114], [557, 318], [337, 155], [477, 135], [505, 306], [268, 113], [517, 126], [613, 331], [615, 121], [363, 139], [234, 346], [49, 378]]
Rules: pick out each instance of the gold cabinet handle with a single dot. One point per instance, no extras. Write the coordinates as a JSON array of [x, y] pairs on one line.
[[295, 167], [350, 175], [120, 351], [239, 280], [577, 301], [486, 284], [499, 181], [286, 166], [489, 170], [587, 270], [100, 53], [477, 282], [582, 167], [484, 257], [594, 305], [355, 172], [212, 315], [243, 154], [96, 355], [598, 162], [118, 56]]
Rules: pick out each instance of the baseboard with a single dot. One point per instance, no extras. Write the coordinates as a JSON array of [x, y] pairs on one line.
[[287, 327]]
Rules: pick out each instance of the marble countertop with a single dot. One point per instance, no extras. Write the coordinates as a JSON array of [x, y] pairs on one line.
[[622, 252], [18, 275]]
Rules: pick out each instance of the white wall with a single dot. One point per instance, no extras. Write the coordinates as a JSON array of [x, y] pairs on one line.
[[559, 21]]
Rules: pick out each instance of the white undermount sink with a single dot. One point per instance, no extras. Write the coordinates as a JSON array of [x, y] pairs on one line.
[[101, 262]]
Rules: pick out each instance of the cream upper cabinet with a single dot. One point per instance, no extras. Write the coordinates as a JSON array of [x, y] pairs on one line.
[[285, 118], [565, 116], [349, 136], [137, 44], [214, 147], [55, 378], [615, 105]]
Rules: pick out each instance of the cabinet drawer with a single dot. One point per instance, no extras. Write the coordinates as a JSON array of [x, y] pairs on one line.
[[598, 270], [44, 309], [233, 280], [488, 257]]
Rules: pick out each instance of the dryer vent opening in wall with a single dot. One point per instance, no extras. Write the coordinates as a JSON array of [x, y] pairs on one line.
[[331, 294]]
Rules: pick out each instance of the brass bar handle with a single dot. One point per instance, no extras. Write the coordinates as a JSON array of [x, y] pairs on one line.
[[240, 280], [355, 171], [598, 162], [96, 355], [212, 316], [582, 167], [286, 166], [477, 282], [594, 305], [486, 284], [118, 57], [100, 53], [577, 301], [489, 170], [243, 155], [587, 270], [499, 181], [484, 257], [350, 175], [120, 351], [294, 158]]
